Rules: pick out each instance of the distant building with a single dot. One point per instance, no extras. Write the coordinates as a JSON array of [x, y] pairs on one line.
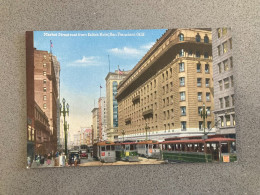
[[45, 91], [95, 125], [164, 93], [112, 81], [102, 115], [223, 81], [86, 136]]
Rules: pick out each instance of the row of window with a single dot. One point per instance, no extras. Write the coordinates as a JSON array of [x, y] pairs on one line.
[[222, 49], [206, 68], [227, 120], [182, 53], [197, 38], [199, 82], [221, 32], [225, 65], [228, 82], [227, 101]]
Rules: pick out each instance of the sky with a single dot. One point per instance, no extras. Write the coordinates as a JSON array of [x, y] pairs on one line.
[[85, 57]]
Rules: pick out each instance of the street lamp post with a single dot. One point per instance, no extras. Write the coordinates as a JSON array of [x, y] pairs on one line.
[[65, 110], [204, 115], [123, 133], [146, 128]]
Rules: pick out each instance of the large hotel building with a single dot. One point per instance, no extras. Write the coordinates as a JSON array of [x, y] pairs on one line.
[[165, 92], [223, 81]]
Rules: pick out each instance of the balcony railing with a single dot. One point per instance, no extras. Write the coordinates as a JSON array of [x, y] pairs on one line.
[[148, 112]]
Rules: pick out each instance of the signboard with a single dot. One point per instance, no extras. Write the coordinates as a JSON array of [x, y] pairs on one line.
[[226, 158], [127, 154]]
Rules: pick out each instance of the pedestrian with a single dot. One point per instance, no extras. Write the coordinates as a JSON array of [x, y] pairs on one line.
[[49, 159], [75, 161], [28, 162], [42, 160], [38, 160]]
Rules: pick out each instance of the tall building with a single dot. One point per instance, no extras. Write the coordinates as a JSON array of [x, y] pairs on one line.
[[45, 91], [56, 65], [223, 81], [165, 92], [102, 115], [112, 81], [95, 125]]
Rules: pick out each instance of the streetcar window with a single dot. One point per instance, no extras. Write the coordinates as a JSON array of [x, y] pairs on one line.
[[132, 147], [155, 146], [102, 148], [112, 147], [127, 147], [150, 146], [107, 148]]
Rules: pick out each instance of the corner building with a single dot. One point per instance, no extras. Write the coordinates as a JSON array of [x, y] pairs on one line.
[[165, 92], [112, 81]]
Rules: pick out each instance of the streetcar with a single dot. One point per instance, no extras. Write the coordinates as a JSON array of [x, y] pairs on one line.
[[148, 149], [104, 151], [195, 149]]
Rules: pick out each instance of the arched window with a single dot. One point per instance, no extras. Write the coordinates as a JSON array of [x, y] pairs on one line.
[[206, 39], [181, 37], [198, 38]]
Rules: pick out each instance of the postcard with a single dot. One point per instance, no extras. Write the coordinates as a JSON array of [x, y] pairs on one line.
[[130, 97]]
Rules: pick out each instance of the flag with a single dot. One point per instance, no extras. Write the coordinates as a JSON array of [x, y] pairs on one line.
[[119, 71], [100, 86], [51, 44]]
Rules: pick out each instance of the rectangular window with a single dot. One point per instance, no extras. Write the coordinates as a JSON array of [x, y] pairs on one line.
[[182, 95], [207, 68], [234, 119], [219, 32], [44, 97], [199, 96], [183, 125], [197, 54], [219, 68], [200, 125], [231, 62], [226, 83], [230, 43], [227, 101], [220, 85], [222, 121], [183, 110], [226, 68], [44, 106], [44, 81], [225, 47], [164, 114], [181, 66], [44, 89], [172, 113], [44, 65], [44, 56], [206, 55], [172, 99], [200, 110], [44, 73], [207, 97], [207, 82], [219, 50], [232, 100], [208, 110], [224, 31], [232, 81], [209, 125], [227, 120], [198, 82], [190, 53], [221, 102], [198, 67], [182, 53], [182, 81]]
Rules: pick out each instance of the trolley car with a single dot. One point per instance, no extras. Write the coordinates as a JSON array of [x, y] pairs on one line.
[[149, 149], [104, 151], [195, 149]]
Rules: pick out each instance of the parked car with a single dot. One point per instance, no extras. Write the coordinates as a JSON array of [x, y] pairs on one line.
[[84, 154], [74, 155]]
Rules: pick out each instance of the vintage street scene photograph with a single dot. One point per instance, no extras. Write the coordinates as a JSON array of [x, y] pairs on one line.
[[130, 97]]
